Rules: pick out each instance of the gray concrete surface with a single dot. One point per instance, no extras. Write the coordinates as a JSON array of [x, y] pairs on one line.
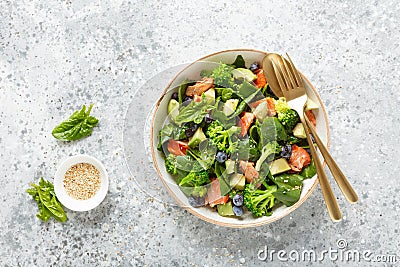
[[57, 55]]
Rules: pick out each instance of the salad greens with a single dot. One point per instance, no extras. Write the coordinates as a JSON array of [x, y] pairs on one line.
[[48, 204], [77, 126], [232, 144]]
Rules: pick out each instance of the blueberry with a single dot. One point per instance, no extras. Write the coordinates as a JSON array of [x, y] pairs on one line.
[[308, 150], [286, 151], [208, 119], [196, 201], [221, 156], [189, 132], [237, 210], [185, 103], [175, 96], [254, 66], [238, 200]]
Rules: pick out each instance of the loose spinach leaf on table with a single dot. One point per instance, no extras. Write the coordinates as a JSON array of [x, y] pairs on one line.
[[48, 204], [77, 126]]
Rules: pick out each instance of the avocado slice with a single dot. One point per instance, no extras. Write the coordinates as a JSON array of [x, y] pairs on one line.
[[230, 166], [246, 74], [197, 138], [173, 109], [238, 181], [279, 166], [230, 106], [210, 94], [225, 209], [311, 104], [299, 131]]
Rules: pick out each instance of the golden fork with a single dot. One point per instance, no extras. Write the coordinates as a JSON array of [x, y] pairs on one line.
[[293, 89]]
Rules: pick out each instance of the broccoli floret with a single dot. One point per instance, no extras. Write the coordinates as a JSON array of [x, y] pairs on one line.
[[170, 164], [223, 76], [259, 202], [222, 138], [287, 116], [194, 183], [268, 150]]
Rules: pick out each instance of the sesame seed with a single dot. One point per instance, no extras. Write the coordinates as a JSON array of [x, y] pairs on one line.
[[82, 181]]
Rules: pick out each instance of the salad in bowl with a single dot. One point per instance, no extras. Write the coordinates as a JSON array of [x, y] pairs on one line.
[[230, 145]]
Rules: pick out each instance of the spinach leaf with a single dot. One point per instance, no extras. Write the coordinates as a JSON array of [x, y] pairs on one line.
[[220, 116], [48, 204], [271, 130], [239, 62], [171, 131], [289, 188], [309, 171], [195, 111], [220, 172], [182, 90], [224, 93], [77, 126], [205, 156], [246, 89], [186, 163]]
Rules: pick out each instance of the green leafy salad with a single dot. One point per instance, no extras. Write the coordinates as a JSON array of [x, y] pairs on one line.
[[232, 145]]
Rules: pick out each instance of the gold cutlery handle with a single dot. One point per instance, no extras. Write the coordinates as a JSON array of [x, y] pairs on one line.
[[330, 199], [340, 179]]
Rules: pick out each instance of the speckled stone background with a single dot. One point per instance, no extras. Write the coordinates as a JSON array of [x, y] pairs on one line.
[[57, 55]]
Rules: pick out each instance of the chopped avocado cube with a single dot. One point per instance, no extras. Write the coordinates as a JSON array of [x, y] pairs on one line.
[[197, 138], [261, 111], [173, 109], [238, 181], [311, 104], [230, 106], [246, 74], [230, 166], [299, 131], [279, 166], [210, 94], [225, 209]]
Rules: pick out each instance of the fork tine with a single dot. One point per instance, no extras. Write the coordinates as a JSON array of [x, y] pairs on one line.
[[289, 73], [279, 77], [284, 71], [295, 72]]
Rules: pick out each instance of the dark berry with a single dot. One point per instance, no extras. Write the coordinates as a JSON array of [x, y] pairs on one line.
[[175, 96], [237, 210], [269, 91], [238, 200], [208, 119], [187, 98], [196, 201], [221, 157], [308, 150], [254, 66], [286, 151], [189, 132]]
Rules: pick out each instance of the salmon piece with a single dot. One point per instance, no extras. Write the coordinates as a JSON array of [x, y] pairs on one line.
[[270, 104], [310, 115], [200, 87], [177, 148], [249, 171], [260, 82], [245, 122], [299, 158], [214, 194]]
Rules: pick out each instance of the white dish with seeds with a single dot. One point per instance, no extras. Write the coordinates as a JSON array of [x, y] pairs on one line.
[[81, 183]]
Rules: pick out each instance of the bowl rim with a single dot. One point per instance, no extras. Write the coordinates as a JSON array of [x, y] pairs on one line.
[[68, 201], [193, 211]]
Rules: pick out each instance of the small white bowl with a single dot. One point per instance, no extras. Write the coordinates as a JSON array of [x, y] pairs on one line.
[[70, 202]]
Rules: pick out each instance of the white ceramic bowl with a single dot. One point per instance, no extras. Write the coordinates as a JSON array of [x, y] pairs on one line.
[[192, 72], [70, 202]]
